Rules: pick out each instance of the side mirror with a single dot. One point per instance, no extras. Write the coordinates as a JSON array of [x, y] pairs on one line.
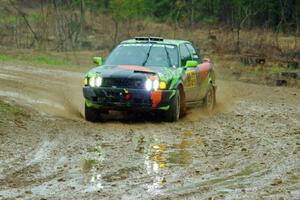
[[191, 64], [98, 60]]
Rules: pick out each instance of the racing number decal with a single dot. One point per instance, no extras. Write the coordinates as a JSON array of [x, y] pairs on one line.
[[191, 78]]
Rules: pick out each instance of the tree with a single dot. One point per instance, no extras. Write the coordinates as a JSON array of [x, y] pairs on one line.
[[124, 10]]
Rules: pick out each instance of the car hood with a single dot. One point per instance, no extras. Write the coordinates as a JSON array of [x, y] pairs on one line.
[[132, 71]]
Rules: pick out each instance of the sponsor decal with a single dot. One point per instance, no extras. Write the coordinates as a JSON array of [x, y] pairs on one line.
[[156, 97], [191, 78], [204, 69]]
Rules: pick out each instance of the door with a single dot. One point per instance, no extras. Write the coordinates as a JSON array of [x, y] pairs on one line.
[[190, 81], [195, 56]]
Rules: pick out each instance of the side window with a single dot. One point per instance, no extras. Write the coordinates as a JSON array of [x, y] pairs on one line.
[[194, 53], [184, 54]]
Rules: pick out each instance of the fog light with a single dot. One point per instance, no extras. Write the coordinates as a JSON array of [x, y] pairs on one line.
[[162, 85]]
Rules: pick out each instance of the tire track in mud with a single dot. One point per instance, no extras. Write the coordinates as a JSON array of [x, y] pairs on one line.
[[248, 149]]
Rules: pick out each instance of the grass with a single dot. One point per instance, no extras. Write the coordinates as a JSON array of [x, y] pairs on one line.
[[8, 112], [72, 61], [5, 58], [45, 60], [277, 70], [36, 59], [6, 108], [32, 17], [39, 59], [89, 164], [8, 19]]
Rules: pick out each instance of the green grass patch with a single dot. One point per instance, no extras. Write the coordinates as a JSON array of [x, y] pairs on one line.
[[5, 58], [8, 112], [37, 60], [45, 60], [276, 70], [32, 17], [8, 19], [89, 164], [7, 108]]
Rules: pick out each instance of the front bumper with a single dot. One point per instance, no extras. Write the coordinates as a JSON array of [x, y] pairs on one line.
[[127, 99]]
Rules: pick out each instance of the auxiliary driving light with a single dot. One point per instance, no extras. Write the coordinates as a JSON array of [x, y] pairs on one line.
[[162, 85]]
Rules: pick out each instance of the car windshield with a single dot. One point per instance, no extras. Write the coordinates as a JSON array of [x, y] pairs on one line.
[[150, 54]]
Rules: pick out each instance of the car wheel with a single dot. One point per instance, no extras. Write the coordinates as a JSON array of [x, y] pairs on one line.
[[210, 99], [172, 115], [91, 114]]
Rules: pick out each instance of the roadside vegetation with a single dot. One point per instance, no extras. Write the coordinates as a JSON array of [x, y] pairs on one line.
[[9, 112], [74, 61], [256, 38]]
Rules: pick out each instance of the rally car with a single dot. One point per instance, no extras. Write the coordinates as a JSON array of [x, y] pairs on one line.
[[150, 74]]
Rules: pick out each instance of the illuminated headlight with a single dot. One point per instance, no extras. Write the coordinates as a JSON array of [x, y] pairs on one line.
[[95, 81], [148, 84], [155, 84], [152, 85], [98, 81], [92, 81]]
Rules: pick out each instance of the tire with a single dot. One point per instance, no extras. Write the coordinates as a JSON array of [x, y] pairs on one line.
[[91, 114], [210, 99], [173, 114]]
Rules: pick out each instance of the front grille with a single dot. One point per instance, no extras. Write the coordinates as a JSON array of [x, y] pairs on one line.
[[122, 83]]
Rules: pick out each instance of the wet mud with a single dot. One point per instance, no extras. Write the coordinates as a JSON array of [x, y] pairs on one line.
[[248, 149]]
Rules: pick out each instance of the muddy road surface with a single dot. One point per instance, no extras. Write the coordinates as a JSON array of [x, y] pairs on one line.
[[249, 149]]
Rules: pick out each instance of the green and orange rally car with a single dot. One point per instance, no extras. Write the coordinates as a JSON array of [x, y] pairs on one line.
[[150, 74]]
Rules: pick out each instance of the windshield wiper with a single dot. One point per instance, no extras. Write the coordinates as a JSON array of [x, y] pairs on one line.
[[147, 55], [168, 56]]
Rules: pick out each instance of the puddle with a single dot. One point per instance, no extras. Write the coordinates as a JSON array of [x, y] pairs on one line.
[[161, 158], [92, 175], [171, 155]]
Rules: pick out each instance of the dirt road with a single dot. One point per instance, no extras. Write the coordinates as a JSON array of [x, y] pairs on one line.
[[249, 149]]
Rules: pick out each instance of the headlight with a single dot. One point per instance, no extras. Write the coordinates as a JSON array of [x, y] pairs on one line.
[[95, 81], [155, 84], [98, 81], [152, 85], [148, 84], [92, 81]]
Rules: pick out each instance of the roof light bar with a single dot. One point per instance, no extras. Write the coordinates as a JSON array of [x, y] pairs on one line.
[[149, 39]]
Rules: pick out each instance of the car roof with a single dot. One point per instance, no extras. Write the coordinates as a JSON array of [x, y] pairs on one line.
[[162, 41]]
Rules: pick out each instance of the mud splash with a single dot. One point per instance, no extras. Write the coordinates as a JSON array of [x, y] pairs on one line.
[[53, 92]]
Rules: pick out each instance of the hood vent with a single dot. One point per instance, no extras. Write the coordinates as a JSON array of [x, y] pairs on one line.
[[144, 72]]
